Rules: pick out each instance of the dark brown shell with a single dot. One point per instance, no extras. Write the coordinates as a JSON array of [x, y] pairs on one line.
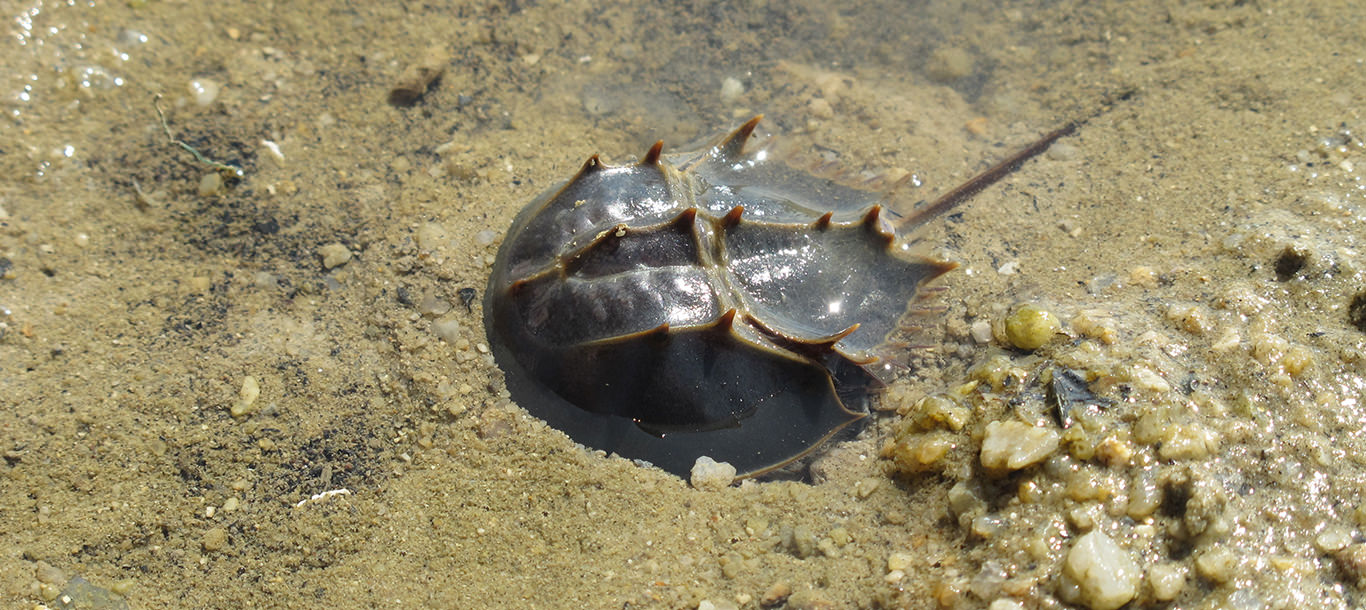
[[715, 302]]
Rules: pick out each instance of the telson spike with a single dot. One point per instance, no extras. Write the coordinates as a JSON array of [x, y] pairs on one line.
[[991, 176], [731, 147], [652, 156], [732, 217]]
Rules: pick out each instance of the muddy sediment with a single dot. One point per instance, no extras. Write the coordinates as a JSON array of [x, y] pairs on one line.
[[275, 389]]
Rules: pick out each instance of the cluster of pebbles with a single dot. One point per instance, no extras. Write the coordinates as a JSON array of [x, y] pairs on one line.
[[1176, 446], [1188, 437]]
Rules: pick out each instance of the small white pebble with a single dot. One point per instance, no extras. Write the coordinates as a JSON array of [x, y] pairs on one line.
[[1012, 445], [1010, 268], [204, 91], [1005, 604], [431, 236], [1062, 151], [1217, 565], [1167, 581], [1105, 575], [898, 561], [485, 237], [246, 397], [1332, 539], [981, 332], [709, 474], [731, 90], [448, 329], [724, 604]]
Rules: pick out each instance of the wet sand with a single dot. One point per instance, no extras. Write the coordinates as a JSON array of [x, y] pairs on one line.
[[1200, 238]]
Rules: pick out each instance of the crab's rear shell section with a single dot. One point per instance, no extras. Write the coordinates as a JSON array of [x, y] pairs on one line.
[[715, 302]]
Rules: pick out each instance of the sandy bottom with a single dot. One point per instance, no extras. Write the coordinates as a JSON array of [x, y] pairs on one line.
[[205, 403]]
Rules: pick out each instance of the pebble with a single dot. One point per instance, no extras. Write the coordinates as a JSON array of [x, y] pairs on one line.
[[484, 238], [1217, 565], [981, 332], [776, 595], [448, 329], [334, 255], [246, 396], [123, 587], [413, 82], [820, 108], [809, 599], [1332, 539], [1188, 442], [899, 561], [431, 236], [1012, 445], [800, 541], [1005, 604], [204, 91], [49, 574], [432, 306], [1062, 151], [1167, 581], [211, 184], [708, 474], [707, 604], [1105, 575], [215, 539], [1030, 327], [920, 452], [731, 90]]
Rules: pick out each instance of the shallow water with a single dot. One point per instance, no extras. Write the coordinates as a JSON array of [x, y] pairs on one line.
[[1200, 237]]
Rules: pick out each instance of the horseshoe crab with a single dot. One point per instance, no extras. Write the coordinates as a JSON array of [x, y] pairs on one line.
[[716, 302]]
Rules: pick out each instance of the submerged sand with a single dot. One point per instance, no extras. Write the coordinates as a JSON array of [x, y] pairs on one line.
[[270, 392]]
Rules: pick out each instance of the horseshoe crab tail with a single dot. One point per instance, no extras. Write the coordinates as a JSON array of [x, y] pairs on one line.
[[985, 179]]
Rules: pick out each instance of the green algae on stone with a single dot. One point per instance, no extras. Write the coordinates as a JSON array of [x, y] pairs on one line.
[[1030, 327]]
